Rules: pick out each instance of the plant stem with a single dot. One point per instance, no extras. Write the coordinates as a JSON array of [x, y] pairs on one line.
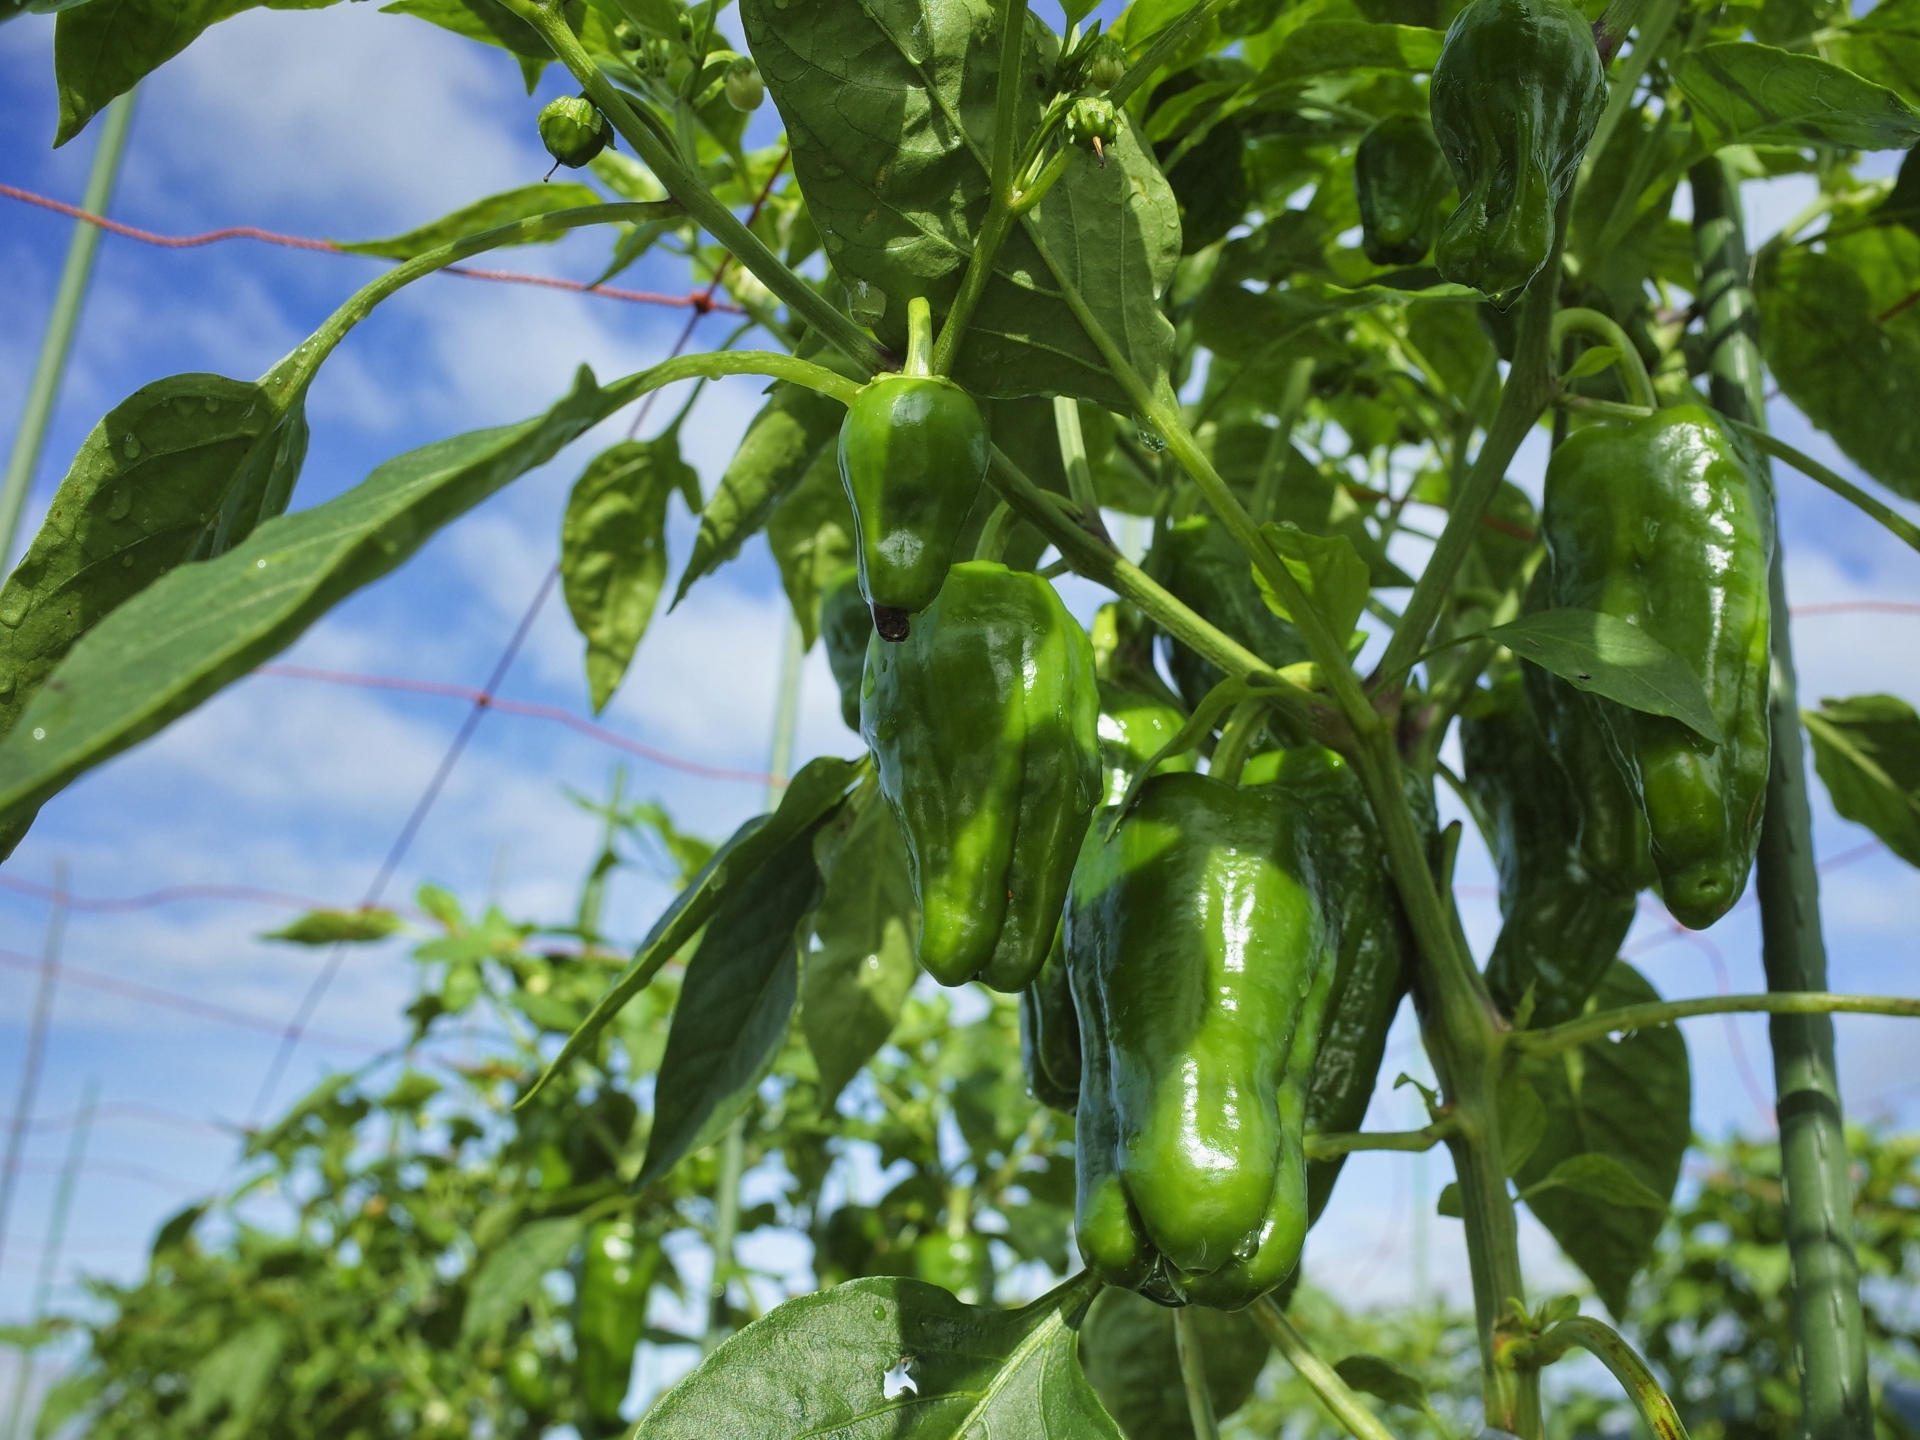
[[726, 1221], [1164, 44], [1557, 1038], [1333, 1392], [1073, 456], [1844, 488], [1825, 1275], [31, 437], [661, 156], [1606, 1345], [1193, 1376], [1329, 1144], [1633, 370], [1237, 736]]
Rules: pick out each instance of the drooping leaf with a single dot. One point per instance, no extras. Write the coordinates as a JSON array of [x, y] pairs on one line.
[[1382, 1379], [818, 789], [890, 110], [1128, 1349], [1628, 1100], [613, 551], [1748, 94], [331, 927], [494, 210], [486, 21], [735, 1004], [1857, 380], [1867, 750], [1336, 580], [1323, 46], [789, 434], [201, 627], [852, 987], [894, 1357], [103, 50], [1606, 656], [811, 535], [511, 1276], [1599, 1177]]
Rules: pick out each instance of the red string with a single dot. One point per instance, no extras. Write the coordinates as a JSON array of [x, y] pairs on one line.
[[698, 300]]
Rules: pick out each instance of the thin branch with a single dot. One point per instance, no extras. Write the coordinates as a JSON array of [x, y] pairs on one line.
[[1329, 1144], [1606, 1344], [1164, 44], [1633, 370], [1557, 1038], [1334, 1393], [1844, 488]]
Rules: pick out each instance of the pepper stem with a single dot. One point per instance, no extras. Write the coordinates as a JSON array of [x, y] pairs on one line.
[[919, 337], [993, 535]]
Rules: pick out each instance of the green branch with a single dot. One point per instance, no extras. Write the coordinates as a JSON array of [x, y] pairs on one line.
[[1163, 46], [1557, 1038], [1193, 1375], [1331, 1143], [663, 158], [1606, 1345], [1633, 370], [1334, 1393]]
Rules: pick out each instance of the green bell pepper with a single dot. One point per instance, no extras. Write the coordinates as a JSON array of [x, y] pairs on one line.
[[1400, 179], [616, 1277], [846, 625], [1050, 1033]]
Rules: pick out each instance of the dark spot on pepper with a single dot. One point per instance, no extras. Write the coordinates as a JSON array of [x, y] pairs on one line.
[[892, 624]]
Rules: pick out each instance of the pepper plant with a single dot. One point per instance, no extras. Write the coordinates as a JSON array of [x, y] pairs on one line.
[[1013, 281]]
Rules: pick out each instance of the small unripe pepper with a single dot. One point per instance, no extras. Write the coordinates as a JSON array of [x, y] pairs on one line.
[[616, 1276], [983, 726], [1092, 123], [1516, 94], [1106, 63], [745, 90], [913, 451], [573, 130], [1663, 524], [1400, 179]]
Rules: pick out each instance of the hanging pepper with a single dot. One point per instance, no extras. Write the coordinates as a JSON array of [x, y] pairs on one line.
[[573, 130], [1515, 97], [1050, 1033], [1198, 561], [846, 625], [1400, 179], [1561, 924], [616, 1276], [913, 451], [984, 727], [1197, 951], [1663, 524]]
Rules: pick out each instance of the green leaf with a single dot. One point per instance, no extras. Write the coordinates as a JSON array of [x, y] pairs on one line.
[[481, 215], [1599, 1177], [811, 535], [1127, 1347], [1448, 1204], [1748, 94], [1883, 46], [818, 790], [853, 986], [889, 107], [181, 469], [510, 1277], [331, 927], [234, 1376], [1857, 380], [613, 551], [201, 627], [789, 434], [1329, 569], [1606, 656], [1592, 362], [1382, 1379], [104, 49], [486, 21], [1867, 751], [1523, 1121], [735, 1005], [1322, 46], [825, 1364], [1629, 1101]]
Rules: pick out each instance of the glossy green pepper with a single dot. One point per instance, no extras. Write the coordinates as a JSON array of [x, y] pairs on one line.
[[1050, 1033], [846, 625], [1197, 949], [1400, 179], [573, 130], [984, 726], [1373, 944], [1516, 94], [616, 1277], [1132, 730], [913, 451], [1663, 523], [1561, 924], [1197, 560]]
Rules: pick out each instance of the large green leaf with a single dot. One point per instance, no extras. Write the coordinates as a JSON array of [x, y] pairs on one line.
[[1128, 1348], [1867, 750], [791, 431], [538, 199], [895, 1358], [511, 1276], [1627, 1101], [854, 984], [201, 627], [735, 1004], [1857, 380], [811, 535], [1883, 46], [1748, 94], [613, 550], [1323, 46], [1606, 656], [103, 49], [889, 105]]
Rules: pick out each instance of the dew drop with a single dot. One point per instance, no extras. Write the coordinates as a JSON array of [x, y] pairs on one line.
[[866, 303], [130, 446], [39, 732], [120, 503]]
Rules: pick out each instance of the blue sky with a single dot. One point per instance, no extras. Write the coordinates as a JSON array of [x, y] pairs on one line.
[[350, 124]]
